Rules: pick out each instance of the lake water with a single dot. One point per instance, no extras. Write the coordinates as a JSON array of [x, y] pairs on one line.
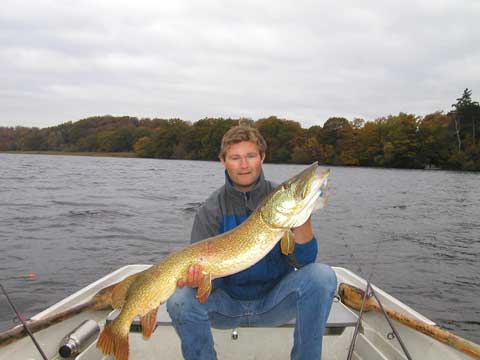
[[72, 220]]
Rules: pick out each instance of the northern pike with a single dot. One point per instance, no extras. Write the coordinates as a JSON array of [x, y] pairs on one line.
[[288, 205]]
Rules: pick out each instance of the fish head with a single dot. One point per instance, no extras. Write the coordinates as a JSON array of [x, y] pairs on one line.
[[293, 201]]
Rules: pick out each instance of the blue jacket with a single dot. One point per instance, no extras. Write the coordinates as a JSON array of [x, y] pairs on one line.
[[227, 208]]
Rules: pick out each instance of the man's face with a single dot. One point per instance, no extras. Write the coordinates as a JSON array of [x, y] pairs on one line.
[[243, 163]]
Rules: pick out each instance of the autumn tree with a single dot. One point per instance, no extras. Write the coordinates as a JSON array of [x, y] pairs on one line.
[[433, 139], [403, 140], [337, 134], [7, 139], [144, 147], [34, 140], [310, 149]]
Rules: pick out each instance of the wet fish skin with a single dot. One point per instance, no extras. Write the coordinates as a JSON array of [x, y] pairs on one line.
[[289, 205]]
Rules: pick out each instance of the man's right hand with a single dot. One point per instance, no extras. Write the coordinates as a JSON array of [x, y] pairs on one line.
[[194, 276]]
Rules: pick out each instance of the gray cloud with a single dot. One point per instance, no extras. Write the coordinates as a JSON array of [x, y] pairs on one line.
[[303, 60]]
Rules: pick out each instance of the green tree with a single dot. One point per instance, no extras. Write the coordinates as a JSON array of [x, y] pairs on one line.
[[34, 140], [308, 148], [55, 140], [466, 117], [7, 139], [369, 138], [168, 139], [204, 139], [331, 130], [433, 139], [90, 143], [399, 140], [281, 136], [144, 147], [339, 133], [141, 132], [115, 140], [347, 144]]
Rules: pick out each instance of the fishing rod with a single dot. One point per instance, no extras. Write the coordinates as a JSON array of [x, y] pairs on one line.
[[397, 335], [368, 293], [30, 276], [365, 295], [358, 323]]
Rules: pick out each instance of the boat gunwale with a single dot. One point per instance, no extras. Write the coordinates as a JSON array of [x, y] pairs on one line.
[[73, 298]]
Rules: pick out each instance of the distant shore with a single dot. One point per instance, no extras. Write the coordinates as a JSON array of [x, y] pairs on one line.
[[74, 153], [120, 155]]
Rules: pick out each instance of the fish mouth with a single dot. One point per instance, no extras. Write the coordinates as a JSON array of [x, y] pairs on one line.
[[312, 194], [293, 201], [314, 185], [318, 186]]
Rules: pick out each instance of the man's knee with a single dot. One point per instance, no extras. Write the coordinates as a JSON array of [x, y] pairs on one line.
[[183, 305], [322, 278]]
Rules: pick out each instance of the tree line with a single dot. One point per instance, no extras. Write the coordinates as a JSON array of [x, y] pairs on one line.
[[437, 140]]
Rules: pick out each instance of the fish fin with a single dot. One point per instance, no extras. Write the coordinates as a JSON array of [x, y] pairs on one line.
[[106, 342], [205, 287], [149, 323], [287, 243], [121, 348], [111, 343], [120, 291]]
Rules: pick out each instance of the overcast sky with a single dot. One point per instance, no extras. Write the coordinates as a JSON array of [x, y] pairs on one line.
[[301, 60]]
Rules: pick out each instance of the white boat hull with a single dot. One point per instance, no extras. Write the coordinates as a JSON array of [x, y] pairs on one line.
[[252, 343]]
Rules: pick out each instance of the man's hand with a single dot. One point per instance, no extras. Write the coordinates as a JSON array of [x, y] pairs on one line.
[[194, 276], [303, 233]]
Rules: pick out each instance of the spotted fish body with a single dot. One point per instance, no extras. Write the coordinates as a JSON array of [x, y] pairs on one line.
[[289, 205]]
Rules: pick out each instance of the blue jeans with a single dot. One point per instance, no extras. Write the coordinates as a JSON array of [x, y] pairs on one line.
[[305, 294]]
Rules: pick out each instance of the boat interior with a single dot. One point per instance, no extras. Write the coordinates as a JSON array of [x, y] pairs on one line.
[[374, 340]]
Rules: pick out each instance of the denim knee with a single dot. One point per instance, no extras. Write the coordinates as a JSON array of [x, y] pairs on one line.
[[183, 305], [322, 278]]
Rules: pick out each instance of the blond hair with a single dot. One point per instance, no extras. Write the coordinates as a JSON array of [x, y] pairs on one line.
[[239, 133]]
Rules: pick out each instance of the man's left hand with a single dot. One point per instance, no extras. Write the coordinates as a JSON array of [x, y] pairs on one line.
[[303, 233]]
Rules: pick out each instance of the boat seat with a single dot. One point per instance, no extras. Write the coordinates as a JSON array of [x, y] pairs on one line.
[[340, 318]]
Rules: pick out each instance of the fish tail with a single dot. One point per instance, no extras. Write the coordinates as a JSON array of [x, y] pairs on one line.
[[110, 342]]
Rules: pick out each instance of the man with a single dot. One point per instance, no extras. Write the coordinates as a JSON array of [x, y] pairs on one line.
[[269, 293]]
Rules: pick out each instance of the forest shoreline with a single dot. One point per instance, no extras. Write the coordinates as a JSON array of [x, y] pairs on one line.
[[133, 155], [73, 153]]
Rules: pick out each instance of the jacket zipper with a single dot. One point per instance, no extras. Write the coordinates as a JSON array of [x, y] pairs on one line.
[[245, 199]]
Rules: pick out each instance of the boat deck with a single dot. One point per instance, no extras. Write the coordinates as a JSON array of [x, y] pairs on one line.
[[339, 319]]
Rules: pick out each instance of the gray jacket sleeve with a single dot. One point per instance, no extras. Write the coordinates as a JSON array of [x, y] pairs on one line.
[[207, 220]]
